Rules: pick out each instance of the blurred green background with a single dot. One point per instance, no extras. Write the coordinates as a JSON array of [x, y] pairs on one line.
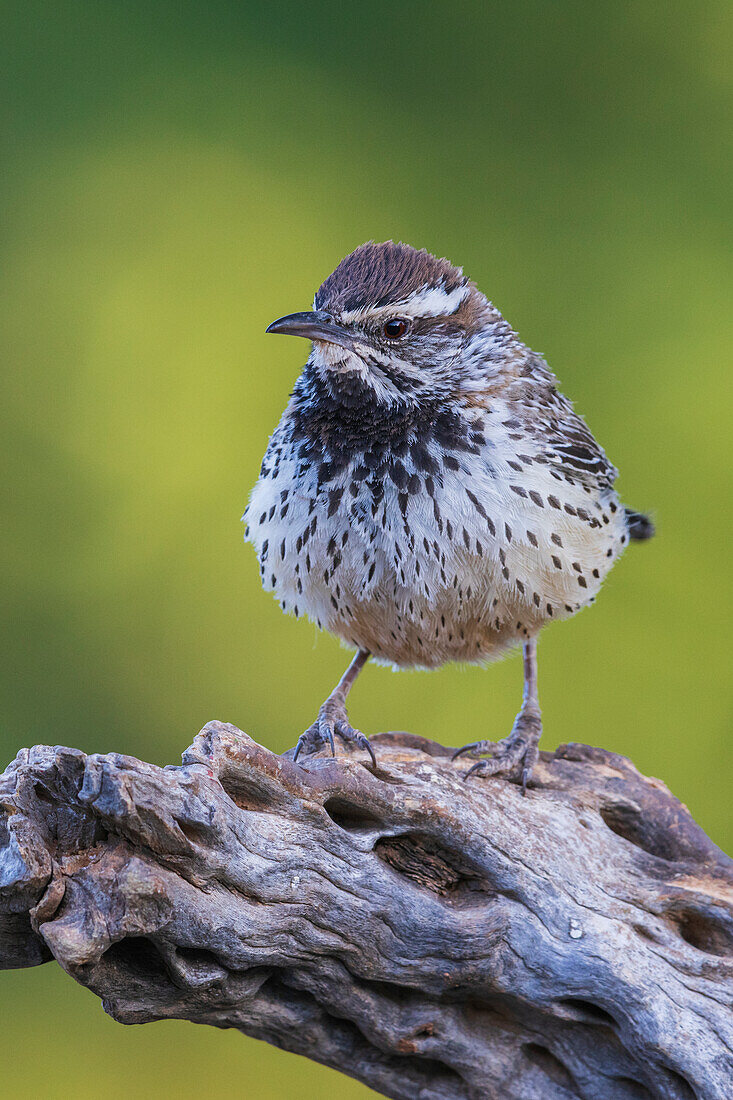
[[176, 175]]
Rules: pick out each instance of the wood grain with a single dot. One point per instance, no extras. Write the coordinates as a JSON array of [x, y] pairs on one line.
[[434, 938]]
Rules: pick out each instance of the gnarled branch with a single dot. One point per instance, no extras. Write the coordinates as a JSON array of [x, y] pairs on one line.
[[433, 938]]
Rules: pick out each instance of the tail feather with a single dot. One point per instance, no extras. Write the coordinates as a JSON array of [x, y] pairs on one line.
[[640, 527]]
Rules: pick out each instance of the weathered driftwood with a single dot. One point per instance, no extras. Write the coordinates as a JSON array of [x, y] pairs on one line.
[[433, 938]]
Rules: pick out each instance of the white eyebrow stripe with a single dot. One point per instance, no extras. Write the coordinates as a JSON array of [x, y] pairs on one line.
[[429, 301]]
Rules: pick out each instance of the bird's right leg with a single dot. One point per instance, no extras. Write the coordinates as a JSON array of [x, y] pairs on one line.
[[332, 718]]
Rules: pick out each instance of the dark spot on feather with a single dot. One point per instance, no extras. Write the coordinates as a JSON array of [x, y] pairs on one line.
[[334, 501]]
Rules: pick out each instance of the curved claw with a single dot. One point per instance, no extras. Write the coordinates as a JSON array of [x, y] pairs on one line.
[[464, 749], [370, 750], [325, 728], [310, 737], [474, 746], [322, 731], [479, 766], [516, 756], [302, 743], [485, 765], [350, 734]]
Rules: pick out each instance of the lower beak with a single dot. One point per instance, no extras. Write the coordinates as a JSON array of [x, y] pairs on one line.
[[317, 325]]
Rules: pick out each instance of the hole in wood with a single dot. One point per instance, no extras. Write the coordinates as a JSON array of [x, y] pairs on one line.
[[586, 1012], [350, 817], [705, 930], [627, 821], [42, 794], [430, 864], [138, 957], [550, 1065], [195, 967], [198, 957], [195, 833], [247, 796], [629, 1089]]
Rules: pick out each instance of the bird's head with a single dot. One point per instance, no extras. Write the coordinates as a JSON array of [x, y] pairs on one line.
[[399, 325]]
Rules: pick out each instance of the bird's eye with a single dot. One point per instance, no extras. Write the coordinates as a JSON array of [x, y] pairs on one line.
[[395, 328]]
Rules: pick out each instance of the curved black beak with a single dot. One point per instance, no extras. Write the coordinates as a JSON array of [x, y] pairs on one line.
[[317, 325]]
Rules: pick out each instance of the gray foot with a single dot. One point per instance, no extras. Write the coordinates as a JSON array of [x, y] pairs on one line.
[[515, 756], [332, 719]]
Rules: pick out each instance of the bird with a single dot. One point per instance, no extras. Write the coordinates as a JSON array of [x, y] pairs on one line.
[[429, 495]]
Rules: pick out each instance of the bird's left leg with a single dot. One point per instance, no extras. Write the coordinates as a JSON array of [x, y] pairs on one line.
[[517, 754], [332, 718]]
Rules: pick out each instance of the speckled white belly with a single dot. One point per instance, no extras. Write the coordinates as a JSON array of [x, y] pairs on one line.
[[451, 567]]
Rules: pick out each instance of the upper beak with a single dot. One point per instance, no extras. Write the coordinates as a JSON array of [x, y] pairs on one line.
[[317, 325]]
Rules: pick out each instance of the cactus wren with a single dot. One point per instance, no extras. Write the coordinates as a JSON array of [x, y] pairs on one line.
[[428, 494]]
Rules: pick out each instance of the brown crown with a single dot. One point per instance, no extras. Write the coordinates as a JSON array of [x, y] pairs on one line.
[[377, 274]]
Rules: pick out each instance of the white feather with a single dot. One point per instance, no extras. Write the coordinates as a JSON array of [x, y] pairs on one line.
[[429, 301]]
